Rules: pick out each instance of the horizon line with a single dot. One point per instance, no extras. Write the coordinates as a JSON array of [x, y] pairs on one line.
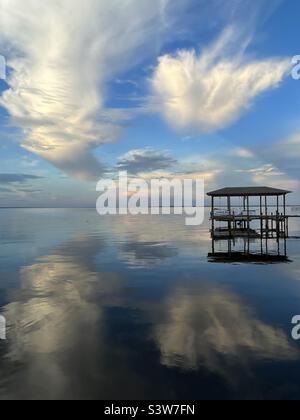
[[94, 208]]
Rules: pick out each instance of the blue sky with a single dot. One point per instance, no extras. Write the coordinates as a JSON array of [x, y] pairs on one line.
[[200, 88]]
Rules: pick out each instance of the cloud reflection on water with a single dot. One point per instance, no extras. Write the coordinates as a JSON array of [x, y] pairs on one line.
[[143, 254], [211, 327], [57, 324], [82, 324]]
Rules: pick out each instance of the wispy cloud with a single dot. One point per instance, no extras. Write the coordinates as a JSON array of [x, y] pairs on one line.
[[262, 171], [17, 178], [145, 160], [285, 152], [4, 190], [212, 90], [18, 185], [62, 54], [284, 155], [242, 153], [63, 62]]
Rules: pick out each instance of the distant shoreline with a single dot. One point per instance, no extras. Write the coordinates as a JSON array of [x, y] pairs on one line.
[[93, 208]]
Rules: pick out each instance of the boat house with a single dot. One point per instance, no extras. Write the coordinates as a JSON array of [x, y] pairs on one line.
[[259, 213]]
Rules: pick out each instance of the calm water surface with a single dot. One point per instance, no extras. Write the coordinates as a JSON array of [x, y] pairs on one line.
[[132, 308]]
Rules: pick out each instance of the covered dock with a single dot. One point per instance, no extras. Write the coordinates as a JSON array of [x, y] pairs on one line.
[[269, 220]]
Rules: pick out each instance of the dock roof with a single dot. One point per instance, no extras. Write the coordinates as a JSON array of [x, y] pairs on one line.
[[248, 192]]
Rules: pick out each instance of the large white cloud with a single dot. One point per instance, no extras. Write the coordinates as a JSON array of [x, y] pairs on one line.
[[62, 52], [214, 89], [145, 160]]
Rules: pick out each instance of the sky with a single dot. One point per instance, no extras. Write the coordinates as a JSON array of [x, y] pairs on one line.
[[160, 88]]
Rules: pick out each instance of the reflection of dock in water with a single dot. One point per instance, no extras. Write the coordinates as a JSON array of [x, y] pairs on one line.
[[239, 257], [249, 250]]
